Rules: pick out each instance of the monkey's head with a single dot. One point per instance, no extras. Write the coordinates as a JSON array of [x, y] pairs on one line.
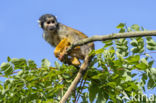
[[48, 22]]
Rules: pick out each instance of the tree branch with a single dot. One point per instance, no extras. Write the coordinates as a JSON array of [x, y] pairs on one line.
[[82, 70], [83, 67], [111, 37]]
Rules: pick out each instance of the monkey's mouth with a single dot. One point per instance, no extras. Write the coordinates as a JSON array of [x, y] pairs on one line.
[[51, 28]]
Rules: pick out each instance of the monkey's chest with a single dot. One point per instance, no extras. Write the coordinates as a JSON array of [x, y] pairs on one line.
[[52, 39]]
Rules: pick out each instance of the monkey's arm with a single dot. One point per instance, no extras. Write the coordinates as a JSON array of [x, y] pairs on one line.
[[60, 51], [61, 47]]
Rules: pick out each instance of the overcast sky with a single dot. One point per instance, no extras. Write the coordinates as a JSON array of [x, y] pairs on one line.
[[21, 37]]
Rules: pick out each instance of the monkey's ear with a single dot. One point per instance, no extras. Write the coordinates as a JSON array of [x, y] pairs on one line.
[[39, 22]]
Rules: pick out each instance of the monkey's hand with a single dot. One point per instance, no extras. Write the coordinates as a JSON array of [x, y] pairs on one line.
[[61, 48], [62, 54]]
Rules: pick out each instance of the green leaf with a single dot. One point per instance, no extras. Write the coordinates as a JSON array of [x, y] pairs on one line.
[[123, 48], [144, 61], [153, 74], [112, 84], [115, 76], [122, 30], [4, 66], [31, 64], [150, 84], [129, 29], [141, 66], [135, 27], [57, 65], [8, 59], [134, 42], [7, 68], [133, 59], [118, 63], [8, 71], [121, 25], [142, 28], [93, 90], [148, 38], [153, 71], [151, 43], [151, 47], [19, 63], [20, 73], [135, 50], [122, 41], [151, 63], [126, 77], [108, 43], [99, 51], [131, 86], [92, 53], [101, 97], [97, 76], [45, 63]]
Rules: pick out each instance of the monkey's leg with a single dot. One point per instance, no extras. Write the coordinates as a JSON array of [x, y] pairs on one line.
[[75, 56], [75, 61]]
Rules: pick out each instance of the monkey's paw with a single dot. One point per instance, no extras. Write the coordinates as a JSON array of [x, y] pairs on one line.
[[61, 56]]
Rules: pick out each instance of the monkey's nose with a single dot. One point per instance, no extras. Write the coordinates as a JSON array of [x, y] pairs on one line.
[[51, 28]]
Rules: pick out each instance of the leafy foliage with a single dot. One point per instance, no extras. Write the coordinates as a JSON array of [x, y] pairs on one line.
[[119, 70]]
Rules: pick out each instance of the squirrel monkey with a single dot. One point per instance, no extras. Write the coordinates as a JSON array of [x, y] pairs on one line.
[[61, 36]]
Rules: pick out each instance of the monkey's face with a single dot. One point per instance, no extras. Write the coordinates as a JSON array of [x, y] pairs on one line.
[[50, 24]]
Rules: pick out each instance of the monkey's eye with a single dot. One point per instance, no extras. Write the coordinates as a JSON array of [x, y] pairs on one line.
[[48, 22], [53, 21]]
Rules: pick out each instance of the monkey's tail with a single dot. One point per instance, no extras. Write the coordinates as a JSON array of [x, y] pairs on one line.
[[82, 70]]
